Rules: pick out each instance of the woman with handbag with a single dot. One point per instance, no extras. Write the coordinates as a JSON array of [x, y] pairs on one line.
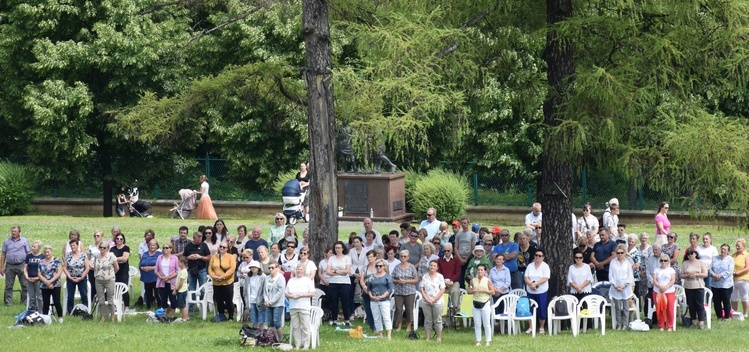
[[482, 290], [221, 269], [693, 271], [664, 292], [105, 266], [537, 276]]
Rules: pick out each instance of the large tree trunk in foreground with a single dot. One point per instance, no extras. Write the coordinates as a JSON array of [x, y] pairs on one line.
[[557, 206], [323, 200]]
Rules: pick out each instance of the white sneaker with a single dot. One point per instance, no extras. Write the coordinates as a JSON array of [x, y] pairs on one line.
[[60, 320]]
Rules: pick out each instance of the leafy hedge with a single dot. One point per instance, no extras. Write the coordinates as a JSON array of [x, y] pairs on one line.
[[445, 191], [16, 189]]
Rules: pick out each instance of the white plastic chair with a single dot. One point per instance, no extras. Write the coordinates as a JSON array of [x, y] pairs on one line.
[[316, 314], [132, 272], [465, 315], [680, 303], [518, 292], [77, 296], [530, 319], [317, 300], [708, 301], [554, 320], [417, 301], [120, 290], [505, 317], [205, 303], [596, 307], [237, 301], [632, 308]]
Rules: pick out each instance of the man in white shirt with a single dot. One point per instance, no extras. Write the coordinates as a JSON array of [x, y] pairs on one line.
[[368, 227], [533, 220], [431, 224]]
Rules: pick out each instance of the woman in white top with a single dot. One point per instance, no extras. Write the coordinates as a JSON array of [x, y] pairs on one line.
[[340, 287], [707, 252], [432, 288], [289, 259], [537, 275], [205, 210], [579, 277], [299, 291], [370, 242], [663, 283], [73, 235], [622, 279], [358, 263]]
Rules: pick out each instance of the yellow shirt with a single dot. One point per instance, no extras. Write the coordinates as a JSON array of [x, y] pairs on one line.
[[739, 262], [482, 296], [224, 266]]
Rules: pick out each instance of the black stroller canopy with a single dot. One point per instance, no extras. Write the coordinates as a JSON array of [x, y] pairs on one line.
[[291, 188]]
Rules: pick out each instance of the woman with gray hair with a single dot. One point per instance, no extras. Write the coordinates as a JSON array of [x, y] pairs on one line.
[[299, 290], [405, 278], [428, 256], [278, 229]]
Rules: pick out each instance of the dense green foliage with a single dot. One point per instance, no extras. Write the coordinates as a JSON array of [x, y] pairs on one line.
[[16, 189], [445, 191]]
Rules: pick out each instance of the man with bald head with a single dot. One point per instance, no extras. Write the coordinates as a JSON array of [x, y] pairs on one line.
[[368, 227], [256, 240]]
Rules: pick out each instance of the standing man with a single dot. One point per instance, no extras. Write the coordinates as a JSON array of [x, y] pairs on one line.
[[431, 224], [15, 249], [198, 255], [255, 242], [603, 253], [611, 216], [449, 267], [180, 241], [533, 221], [368, 227], [509, 250], [465, 240], [414, 249]]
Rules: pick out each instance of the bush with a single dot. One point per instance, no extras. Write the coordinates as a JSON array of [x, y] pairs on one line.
[[412, 177], [16, 189], [283, 178], [445, 191]]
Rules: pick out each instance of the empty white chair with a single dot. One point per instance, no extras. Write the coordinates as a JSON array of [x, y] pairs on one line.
[[680, 303], [317, 300], [417, 302], [314, 329], [708, 301], [237, 300], [206, 302], [132, 272], [595, 309], [505, 316], [554, 319], [531, 319], [120, 290]]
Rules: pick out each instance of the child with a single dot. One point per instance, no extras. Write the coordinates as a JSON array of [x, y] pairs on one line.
[[181, 289], [254, 288]]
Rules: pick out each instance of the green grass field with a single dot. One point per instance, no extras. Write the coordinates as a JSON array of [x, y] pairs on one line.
[[135, 334]]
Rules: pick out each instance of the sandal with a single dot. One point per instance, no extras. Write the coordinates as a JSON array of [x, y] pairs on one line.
[[541, 331]]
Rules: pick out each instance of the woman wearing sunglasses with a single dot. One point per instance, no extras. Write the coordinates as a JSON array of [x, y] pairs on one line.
[[622, 279], [104, 267], [380, 287], [221, 269], [664, 294]]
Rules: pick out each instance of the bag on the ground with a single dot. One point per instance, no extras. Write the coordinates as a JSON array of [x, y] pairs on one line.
[[685, 320], [29, 317], [79, 310], [413, 335], [248, 335], [266, 338], [219, 318], [560, 307], [523, 307]]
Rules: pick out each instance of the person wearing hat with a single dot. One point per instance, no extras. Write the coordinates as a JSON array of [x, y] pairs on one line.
[[431, 224], [464, 243], [510, 251], [479, 257]]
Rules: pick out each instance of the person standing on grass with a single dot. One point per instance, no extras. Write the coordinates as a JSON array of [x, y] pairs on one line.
[[76, 267], [50, 270], [693, 271], [167, 269], [198, 255], [273, 295], [380, 287], [148, 262], [621, 277], [255, 241], [15, 250], [482, 290], [221, 269], [105, 267], [93, 252], [31, 273], [299, 291], [721, 271], [432, 288], [740, 278], [664, 292], [181, 289], [122, 252]]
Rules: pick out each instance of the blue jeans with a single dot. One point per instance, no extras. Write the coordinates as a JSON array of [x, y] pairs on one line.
[[368, 311], [82, 289], [194, 282], [275, 316], [258, 316]]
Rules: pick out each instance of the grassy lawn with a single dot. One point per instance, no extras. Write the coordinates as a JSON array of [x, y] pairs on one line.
[[135, 334]]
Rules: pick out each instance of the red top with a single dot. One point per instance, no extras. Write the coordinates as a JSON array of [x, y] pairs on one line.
[[450, 270]]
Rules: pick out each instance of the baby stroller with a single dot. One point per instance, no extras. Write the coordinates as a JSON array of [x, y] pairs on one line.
[[183, 209], [293, 197], [138, 208]]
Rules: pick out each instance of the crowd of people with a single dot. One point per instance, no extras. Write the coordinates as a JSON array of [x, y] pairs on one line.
[[435, 260]]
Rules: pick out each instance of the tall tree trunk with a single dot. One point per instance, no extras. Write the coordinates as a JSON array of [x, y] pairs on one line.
[[557, 206], [323, 226]]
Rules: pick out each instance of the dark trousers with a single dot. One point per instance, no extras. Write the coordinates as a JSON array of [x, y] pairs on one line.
[[92, 280], [168, 299], [722, 302], [54, 294], [224, 295], [368, 311], [602, 275], [151, 295], [82, 289], [340, 293], [126, 296], [695, 301]]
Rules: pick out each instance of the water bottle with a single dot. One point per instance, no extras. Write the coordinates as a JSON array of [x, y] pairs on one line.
[[371, 212]]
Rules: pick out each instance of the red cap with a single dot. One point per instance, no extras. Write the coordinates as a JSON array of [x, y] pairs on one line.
[[456, 223], [496, 229]]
